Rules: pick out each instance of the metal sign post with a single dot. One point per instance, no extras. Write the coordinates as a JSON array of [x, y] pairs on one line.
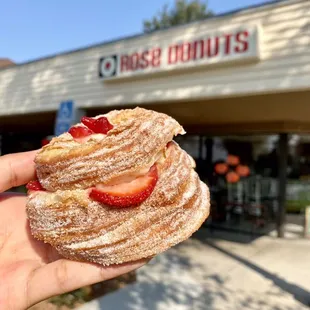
[[307, 222]]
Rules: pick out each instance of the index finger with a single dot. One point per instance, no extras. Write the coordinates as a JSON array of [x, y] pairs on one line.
[[16, 169]]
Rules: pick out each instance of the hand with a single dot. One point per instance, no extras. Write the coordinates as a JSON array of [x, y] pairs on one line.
[[31, 271]]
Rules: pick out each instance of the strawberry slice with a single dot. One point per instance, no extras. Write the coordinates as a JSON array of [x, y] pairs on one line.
[[88, 121], [126, 194], [80, 132], [34, 186], [97, 125]]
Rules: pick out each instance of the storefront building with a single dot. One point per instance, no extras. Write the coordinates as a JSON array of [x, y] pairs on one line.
[[241, 73]]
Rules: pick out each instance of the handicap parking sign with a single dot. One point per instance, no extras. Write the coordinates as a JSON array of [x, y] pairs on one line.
[[65, 117], [66, 110]]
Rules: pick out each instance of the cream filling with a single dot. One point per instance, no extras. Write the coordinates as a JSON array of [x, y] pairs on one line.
[[94, 137]]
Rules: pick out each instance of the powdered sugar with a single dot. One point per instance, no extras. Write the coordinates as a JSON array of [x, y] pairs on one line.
[[137, 137]]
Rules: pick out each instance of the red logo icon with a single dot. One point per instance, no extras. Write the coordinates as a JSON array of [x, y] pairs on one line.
[[108, 66]]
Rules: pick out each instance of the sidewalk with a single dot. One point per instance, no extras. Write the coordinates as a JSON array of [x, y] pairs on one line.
[[207, 272]]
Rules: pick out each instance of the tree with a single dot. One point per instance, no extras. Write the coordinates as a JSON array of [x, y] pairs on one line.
[[183, 12]]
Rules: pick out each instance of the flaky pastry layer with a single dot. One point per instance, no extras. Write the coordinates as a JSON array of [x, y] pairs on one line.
[[130, 148]]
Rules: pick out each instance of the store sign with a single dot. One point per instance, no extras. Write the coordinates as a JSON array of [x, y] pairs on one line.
[[233, 45]]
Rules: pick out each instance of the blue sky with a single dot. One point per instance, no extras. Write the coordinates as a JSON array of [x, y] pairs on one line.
[[37, 28]]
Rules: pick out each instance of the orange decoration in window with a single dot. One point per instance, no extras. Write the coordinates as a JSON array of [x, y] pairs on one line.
[[233, 160], [243, 171], [232, 177], [221, 168]]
